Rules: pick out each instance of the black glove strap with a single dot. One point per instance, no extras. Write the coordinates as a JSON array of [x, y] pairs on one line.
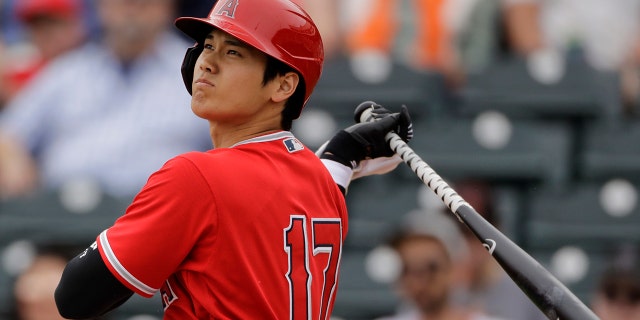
[[345, 149]]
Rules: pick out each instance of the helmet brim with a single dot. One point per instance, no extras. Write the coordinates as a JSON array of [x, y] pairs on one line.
[[195, 28], [199, 28]]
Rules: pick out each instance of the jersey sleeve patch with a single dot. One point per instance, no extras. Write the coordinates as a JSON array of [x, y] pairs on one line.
[[120, 271]]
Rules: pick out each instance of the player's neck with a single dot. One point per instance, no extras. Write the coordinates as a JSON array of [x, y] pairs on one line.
[[224, 136]]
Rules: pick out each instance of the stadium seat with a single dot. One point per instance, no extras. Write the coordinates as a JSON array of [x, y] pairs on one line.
[[536, 151], [376, 204], [509, 209], [359, 297], [339, 91], [586, 273], [44, 220], [610, 150], [507, 86], [577, 215]]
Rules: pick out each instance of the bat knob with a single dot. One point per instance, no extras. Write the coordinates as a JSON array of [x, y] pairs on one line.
[[360, 115]]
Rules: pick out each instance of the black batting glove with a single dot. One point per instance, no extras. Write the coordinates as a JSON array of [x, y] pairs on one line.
[[405, 126], [367, 140]]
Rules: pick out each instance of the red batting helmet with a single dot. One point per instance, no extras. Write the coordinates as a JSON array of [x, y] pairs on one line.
[[279, 28]]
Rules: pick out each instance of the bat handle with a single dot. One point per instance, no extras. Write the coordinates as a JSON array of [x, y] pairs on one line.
[[364, 112], [425, 173]]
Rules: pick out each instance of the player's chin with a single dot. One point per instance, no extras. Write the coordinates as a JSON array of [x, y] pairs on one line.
[[200, 96], [199, 106]]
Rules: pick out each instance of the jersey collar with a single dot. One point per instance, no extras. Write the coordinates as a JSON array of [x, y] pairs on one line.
[[266, 138]]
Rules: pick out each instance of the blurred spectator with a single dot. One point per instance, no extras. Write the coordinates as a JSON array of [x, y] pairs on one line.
[[617, 295], [382, 28], [4, 93], [605, 32], [52, 27], [326, 15], [34, 287], [428, 250], [479, 280], [111, 111]]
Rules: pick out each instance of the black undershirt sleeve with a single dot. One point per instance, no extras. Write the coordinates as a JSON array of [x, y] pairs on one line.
[[87, 288]]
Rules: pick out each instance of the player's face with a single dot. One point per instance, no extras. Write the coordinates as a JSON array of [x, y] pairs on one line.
[[227, 81], [130, 26]]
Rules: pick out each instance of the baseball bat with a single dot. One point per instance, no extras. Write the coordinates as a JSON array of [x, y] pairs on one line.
[[554, 299]]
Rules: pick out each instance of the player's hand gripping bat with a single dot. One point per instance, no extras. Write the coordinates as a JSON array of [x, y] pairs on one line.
[[554, 299]]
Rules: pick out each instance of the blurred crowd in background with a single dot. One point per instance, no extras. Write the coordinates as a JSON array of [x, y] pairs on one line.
[[91, 98], [453, 37]]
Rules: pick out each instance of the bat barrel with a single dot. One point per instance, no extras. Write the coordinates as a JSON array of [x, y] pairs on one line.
[[554, 299]]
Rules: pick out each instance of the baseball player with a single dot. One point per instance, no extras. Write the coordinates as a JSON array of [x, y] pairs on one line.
[[252, 229]]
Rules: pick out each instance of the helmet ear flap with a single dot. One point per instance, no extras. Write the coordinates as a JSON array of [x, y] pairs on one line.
[[189, 64]]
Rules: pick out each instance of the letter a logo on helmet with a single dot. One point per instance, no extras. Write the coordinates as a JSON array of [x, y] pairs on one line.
[[228, 8]]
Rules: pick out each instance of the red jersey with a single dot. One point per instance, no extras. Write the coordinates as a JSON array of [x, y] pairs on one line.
[[253, 231]]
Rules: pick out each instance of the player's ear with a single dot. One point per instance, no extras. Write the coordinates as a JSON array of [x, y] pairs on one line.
[[287, 85]]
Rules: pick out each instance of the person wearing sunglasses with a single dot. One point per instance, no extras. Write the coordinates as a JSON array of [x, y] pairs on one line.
[[617, 294]]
